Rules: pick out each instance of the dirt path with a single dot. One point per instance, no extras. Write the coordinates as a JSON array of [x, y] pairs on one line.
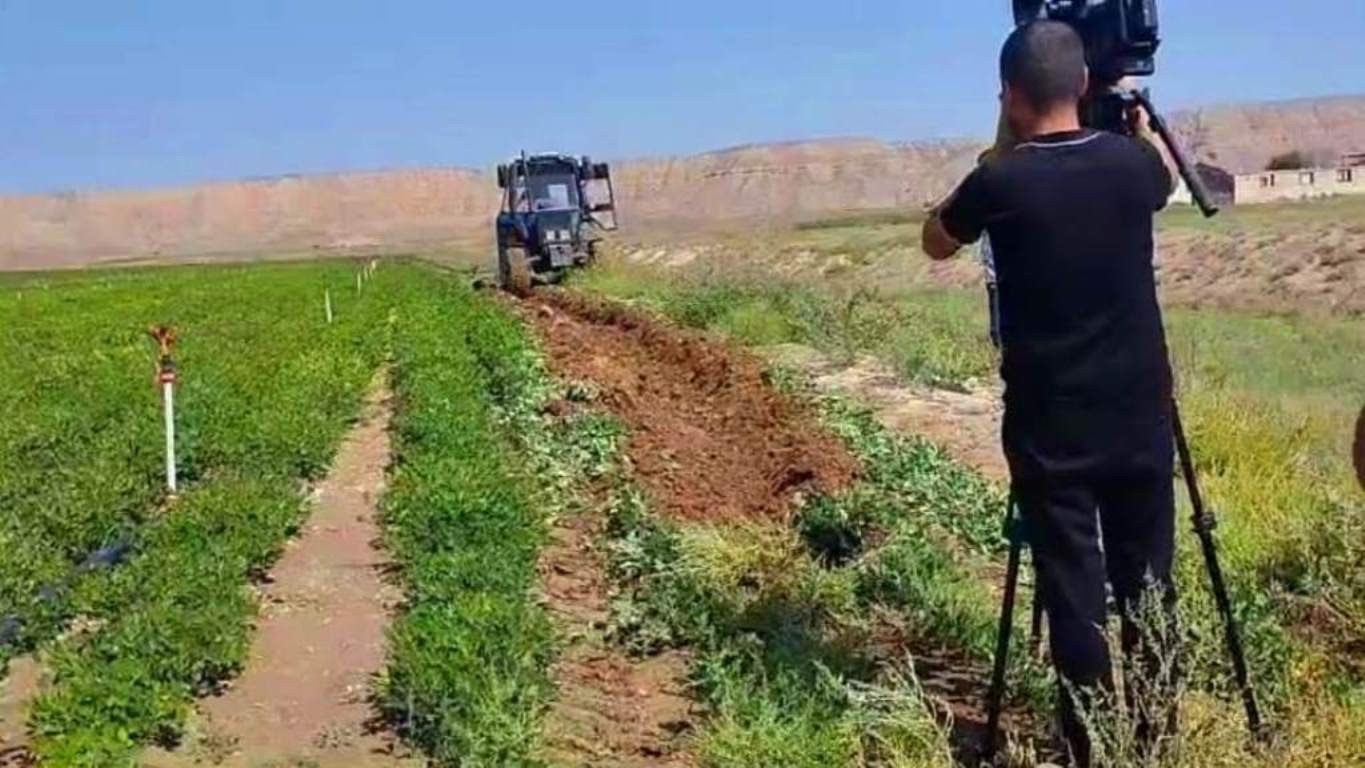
[[303, 698], [966, 425], [16, 691], [611, 710], [709, 438]]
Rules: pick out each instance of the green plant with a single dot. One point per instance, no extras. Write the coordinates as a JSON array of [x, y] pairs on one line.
[[466, 678], [263, 401]]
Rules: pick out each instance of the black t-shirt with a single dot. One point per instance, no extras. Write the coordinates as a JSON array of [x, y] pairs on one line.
[[1070, 219]]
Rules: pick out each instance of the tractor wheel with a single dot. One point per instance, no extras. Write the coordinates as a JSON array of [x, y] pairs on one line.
[[514, 273]]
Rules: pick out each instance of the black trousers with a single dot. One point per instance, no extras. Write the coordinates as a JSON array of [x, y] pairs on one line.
[[1095, 488]]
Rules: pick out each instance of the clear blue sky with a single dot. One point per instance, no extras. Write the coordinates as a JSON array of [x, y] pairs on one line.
[[105, 93]]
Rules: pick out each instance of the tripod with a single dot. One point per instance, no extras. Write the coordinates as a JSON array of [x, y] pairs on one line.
[[1204, 524]]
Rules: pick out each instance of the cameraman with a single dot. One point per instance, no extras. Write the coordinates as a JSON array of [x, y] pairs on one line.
[[1087, 428]]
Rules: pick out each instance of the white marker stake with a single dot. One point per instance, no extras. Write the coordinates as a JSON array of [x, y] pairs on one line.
[[357, 282], [168, 397], [327, 302]]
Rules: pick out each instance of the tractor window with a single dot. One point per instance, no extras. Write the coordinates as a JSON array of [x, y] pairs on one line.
[[554, 193]]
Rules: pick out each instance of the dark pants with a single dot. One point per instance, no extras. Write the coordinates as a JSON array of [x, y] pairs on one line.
[[1095, 488]]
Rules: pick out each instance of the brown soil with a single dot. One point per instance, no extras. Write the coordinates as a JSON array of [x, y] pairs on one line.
[[17, 689], [709, 438], [611, 710], [304, 696]]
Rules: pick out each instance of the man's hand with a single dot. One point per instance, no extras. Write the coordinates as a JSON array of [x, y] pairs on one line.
[[1141, 125], [934, 238]]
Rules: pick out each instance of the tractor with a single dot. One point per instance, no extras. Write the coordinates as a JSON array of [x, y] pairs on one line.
[[554, 210]]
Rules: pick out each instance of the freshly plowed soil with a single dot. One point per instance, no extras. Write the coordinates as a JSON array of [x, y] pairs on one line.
[[709, 438]]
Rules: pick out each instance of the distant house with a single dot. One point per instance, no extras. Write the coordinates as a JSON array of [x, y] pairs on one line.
[[1348, 178]]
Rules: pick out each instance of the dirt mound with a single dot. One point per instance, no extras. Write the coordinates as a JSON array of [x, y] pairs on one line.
[[710, 439]]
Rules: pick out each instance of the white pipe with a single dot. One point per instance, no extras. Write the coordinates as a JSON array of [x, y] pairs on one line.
[[327, 301], [168, 397]]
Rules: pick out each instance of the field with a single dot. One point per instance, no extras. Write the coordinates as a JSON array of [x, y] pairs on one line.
[[640, 535]]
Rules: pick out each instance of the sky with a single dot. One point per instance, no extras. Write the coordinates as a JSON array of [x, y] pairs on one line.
[[110, 93]]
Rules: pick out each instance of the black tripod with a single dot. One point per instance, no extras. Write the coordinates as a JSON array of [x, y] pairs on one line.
[[1204, 525]]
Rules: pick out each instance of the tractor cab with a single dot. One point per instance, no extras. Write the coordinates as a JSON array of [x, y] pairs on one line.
[[554, 208]]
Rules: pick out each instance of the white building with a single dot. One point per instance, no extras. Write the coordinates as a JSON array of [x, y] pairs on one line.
[[1302, 184]]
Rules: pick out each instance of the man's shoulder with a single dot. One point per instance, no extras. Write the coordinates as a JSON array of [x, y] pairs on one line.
[[1103, 147]]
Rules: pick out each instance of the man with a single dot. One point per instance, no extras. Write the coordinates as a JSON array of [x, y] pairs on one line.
[[1087, 431]]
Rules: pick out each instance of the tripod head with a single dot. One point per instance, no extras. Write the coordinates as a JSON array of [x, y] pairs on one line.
[[1107, 108]]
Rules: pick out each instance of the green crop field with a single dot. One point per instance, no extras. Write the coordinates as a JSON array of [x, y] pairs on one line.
[[267, 388]]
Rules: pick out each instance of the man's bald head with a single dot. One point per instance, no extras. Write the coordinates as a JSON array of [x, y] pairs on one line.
[[1044, 62]]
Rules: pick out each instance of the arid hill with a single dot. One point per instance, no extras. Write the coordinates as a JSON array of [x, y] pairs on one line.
[[440, 207], [1243, 138]]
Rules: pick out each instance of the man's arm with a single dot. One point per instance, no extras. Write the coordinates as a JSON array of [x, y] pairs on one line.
[[959, 220], [934, 238], [967, 217]]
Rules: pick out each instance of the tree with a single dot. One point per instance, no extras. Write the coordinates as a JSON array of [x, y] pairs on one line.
[[1292, 160]]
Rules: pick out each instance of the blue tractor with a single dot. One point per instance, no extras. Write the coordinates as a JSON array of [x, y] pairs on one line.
[[554, 210]]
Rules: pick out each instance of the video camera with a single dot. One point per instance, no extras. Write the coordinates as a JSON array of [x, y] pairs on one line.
[[1121, 36], [1121, 40]]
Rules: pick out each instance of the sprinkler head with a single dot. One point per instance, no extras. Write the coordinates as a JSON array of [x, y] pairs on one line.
[[163, 335]]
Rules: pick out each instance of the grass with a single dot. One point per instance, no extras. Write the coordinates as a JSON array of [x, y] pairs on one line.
[[1270, 217], [932, 336], [799, 629], [1269, 402], [264, 399], [782, 658]]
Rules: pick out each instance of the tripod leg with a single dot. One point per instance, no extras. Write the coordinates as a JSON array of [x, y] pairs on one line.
[[996, 700], [1204, 524], [1035, 640]]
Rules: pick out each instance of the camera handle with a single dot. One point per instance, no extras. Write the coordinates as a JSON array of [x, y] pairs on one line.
[[1189, 171]]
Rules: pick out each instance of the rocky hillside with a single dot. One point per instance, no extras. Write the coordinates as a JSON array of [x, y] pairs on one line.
[[433, 207], [1243, 138], [390, 209], [791, 181]]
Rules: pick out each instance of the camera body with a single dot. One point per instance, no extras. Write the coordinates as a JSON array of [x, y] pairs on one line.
[[1121, 36]]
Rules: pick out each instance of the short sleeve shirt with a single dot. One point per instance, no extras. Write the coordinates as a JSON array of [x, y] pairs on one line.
[[1070, 221]]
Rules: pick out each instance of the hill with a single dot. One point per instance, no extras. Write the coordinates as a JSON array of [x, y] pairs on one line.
[[436, 207]]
